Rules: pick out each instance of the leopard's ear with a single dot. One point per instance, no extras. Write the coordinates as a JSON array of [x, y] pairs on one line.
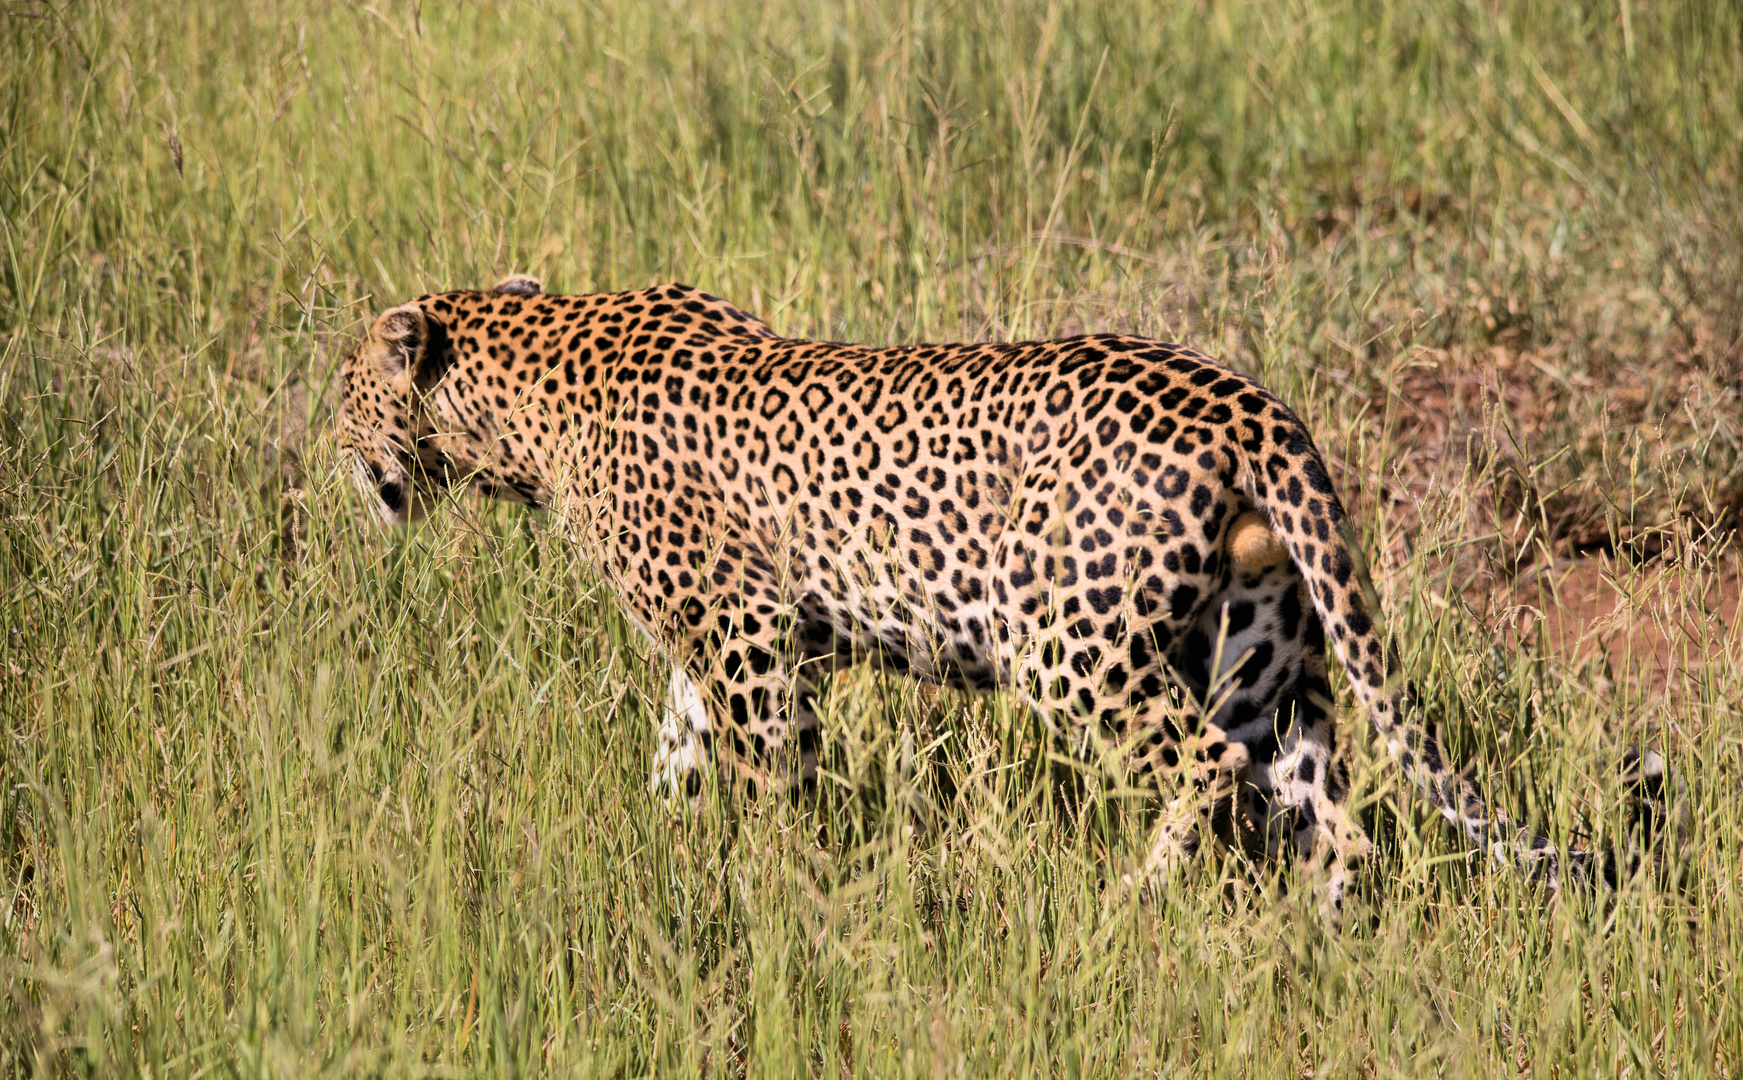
[[406, 352], [519, 285]]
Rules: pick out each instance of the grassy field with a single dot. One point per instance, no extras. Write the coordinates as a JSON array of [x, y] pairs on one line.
[[287, 795]]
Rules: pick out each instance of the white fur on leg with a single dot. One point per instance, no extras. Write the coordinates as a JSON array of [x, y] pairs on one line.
[[683, 734]]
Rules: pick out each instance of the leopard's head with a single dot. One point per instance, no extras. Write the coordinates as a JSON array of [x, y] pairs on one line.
[[382, 419]]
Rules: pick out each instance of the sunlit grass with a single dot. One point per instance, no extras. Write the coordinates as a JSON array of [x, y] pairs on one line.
[[285, 794]]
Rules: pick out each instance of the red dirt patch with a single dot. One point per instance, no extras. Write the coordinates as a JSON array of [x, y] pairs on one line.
[[1662, 624]]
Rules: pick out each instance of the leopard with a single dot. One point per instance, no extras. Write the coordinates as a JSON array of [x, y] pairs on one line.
[[1140, 543]]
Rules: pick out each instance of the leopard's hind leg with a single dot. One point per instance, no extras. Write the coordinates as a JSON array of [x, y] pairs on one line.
[[1203, 785], [1267, 682], [1161, 742]]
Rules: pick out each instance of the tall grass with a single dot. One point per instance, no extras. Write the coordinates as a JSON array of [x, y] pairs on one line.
[[287, 795]]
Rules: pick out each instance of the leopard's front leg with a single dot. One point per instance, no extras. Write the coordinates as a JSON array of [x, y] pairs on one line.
[[686, 739], [751, 713]]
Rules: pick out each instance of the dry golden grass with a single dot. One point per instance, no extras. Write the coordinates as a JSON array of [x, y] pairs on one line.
[[285, 795]]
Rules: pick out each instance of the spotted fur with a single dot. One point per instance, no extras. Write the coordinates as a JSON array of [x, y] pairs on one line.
[[1140, 542]]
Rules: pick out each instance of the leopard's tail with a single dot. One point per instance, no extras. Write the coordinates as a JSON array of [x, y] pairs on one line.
[[1289, 482]]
